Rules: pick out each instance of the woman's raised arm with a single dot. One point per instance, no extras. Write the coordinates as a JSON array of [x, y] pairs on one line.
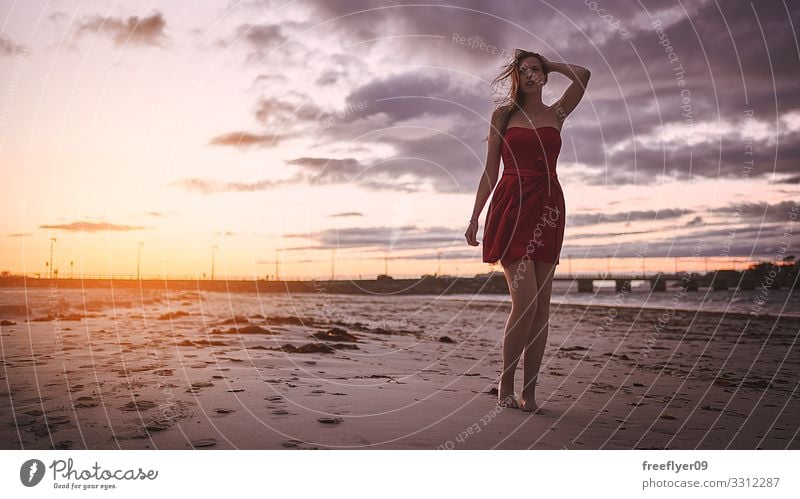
[[574, 93]]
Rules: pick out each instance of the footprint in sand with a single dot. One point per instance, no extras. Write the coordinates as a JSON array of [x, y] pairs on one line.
[[138, 405], [84, 402], [158, 425], [40, 428], [293, 443], [203, 442]]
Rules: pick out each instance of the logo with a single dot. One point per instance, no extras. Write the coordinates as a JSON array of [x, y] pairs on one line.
[[31, 472]]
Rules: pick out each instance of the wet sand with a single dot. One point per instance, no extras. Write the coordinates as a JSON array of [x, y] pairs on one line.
[[108, 369]]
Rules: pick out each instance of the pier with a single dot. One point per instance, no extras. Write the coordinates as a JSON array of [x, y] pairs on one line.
[[768, 276]]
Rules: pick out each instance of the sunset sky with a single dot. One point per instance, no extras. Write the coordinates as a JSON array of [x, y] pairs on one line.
[[352, 131]]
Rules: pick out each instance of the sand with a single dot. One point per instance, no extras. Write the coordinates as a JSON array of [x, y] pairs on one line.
[[100, 369]]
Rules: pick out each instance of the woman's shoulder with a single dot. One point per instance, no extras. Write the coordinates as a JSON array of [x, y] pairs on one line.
[[500, 111]]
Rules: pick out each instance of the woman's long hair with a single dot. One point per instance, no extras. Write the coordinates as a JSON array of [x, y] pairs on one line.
[[514, 98]]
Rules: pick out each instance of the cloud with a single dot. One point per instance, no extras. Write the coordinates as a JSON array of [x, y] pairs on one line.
[[379, 175], [757, 229], [633, 125], [271, 41], [19, 234], [133, 30], [328, 170], [210, 186], [261, 35], [582, 219], [749, 211], [714, 244], [631, 151], [94, 227], [382, 238], [245, 139], [9, 47], [761, 212], [427, 120], [274, 112], [411, 94], [347, 214], [313, 171]]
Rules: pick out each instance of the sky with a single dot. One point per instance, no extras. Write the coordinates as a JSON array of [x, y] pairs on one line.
[[346, 138]]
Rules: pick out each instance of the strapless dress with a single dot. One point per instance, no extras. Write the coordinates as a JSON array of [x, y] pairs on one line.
[[526, 215]]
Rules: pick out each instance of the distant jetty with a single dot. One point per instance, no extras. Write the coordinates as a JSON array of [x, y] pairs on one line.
[[764, 275], [488, 283]]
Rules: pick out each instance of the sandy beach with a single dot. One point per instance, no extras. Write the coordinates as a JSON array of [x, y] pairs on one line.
[[100, 369]]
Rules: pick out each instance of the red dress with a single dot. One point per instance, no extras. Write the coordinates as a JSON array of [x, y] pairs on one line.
[[526, 216]]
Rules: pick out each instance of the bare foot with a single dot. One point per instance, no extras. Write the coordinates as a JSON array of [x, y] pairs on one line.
[[508, 401], [531, 407]]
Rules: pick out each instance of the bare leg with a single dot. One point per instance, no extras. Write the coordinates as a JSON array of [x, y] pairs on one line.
[[537, 339], [521, 278]]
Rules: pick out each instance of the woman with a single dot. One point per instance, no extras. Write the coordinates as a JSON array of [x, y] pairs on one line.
[[524, 226]]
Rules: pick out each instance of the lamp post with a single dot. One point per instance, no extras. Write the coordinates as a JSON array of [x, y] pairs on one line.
[[213, 255], [52, 243], [139, 262]]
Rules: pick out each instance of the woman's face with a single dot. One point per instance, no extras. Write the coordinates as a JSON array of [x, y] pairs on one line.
[[531, 75]]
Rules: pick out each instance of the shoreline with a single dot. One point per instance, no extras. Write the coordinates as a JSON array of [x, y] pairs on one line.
[[488, 295], [196, 371], [648, 308]]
